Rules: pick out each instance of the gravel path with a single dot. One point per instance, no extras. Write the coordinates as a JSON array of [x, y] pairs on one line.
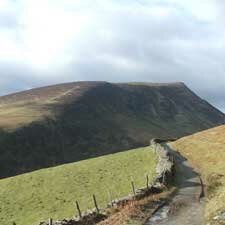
[[185, 208]]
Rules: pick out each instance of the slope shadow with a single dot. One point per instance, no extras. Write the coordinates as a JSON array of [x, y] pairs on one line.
[[91, 126]]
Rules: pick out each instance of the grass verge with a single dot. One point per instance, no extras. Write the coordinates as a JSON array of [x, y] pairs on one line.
[[206, 152]]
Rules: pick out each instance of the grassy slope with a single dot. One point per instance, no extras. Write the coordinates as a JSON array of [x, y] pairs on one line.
[[206, 150], [13, 116], [32, 197]]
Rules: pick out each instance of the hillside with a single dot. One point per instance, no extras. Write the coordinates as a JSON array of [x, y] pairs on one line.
[[206, 151], [64, 123], [33, 197]]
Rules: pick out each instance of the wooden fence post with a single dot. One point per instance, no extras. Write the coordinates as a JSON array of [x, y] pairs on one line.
[[133, 188], [95, 202], [50, 221], [78, 209], [147, 181], [110, 198], [163, 178]]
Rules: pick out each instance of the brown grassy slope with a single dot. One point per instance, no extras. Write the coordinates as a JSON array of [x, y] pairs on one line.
[[206, 151], [168, 100], [20, 109]]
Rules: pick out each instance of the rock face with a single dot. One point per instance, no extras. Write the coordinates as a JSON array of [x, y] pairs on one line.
[[76, 121]]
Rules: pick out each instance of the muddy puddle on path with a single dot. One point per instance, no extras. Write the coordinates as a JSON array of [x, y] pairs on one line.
[[159, 216]]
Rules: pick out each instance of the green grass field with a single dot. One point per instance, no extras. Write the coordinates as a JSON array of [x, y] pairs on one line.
[[33, 197]]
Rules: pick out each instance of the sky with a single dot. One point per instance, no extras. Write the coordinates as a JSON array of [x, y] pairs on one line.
[[46, 42]]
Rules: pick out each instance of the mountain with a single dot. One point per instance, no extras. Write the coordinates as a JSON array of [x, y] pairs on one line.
[[206, 151], [64, 123]]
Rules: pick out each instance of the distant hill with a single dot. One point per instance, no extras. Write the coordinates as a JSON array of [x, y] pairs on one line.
[[206, 151], [64, 123]]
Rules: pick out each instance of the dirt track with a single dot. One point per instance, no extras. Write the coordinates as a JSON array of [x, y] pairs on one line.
[[185, 208]]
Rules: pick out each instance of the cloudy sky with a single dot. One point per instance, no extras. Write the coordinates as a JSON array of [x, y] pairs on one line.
[[52, 41]]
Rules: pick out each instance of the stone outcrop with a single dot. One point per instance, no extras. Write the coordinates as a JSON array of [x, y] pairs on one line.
[[220, 217], [165, 169]]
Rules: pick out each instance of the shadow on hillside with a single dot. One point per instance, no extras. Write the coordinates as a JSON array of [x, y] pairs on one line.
[[83, 129], [105, 119]]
